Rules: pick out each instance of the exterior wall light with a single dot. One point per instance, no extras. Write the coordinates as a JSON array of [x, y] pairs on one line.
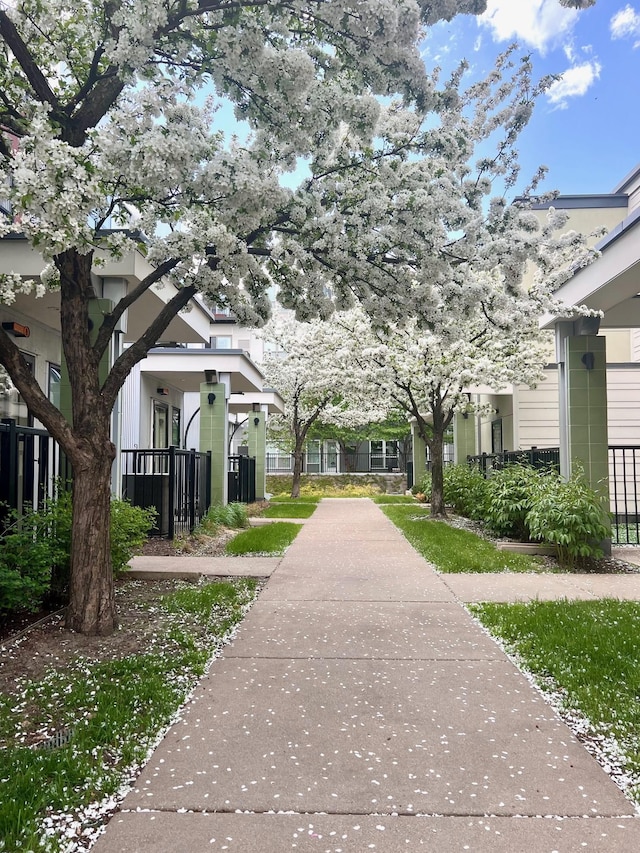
[[588, 359], [256, 421], [17, 330], [211, 398]]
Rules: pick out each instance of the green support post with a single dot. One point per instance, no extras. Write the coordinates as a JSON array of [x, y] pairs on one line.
[[258, 449], [464, 437], [213, 436]]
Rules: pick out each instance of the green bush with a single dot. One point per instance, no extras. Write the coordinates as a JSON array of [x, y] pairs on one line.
[[35, 550], [423, 486], [510, 495], [570, 515], [130, 526], [230, 515], [465, 490]]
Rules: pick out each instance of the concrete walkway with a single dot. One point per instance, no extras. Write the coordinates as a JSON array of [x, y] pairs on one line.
[[361, 708]]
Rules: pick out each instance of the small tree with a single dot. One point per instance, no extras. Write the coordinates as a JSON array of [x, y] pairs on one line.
[[308, 365], [426, 373]]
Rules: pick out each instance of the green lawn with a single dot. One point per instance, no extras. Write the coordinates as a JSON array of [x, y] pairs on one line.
[[289, 510], [394, 499], [586, 652], [266, 539], [105, 713], [305, 499], [453, 550]]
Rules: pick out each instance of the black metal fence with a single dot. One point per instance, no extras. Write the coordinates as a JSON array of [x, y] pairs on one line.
[[548, 457], [29, 466], [176, 483], [624, 489], [242, 479]]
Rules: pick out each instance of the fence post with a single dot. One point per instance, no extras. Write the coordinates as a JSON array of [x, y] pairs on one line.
[[191, 477], [172, 491]]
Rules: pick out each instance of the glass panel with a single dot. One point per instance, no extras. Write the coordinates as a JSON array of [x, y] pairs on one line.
[[54, 385], [160, 424], [175, 427]]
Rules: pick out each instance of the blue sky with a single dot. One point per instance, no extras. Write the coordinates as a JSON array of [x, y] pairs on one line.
[[587, 128]]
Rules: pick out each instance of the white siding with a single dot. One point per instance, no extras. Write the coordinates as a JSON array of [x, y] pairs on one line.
[[635, 345], [538, 414], [623, 403], [130, 407]]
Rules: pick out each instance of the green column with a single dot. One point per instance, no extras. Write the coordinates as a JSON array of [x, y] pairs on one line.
[[213, 436], [258, 449], [419, 454], [464, 437], [586, 394]]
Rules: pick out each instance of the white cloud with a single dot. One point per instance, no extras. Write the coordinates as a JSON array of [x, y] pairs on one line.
[[574, 83], [625, 23], [538, 23]]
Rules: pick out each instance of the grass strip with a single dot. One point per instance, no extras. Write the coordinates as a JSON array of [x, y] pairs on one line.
[[588, 654], [394, 499], [303, 499], [266, 539], [453, 550], [289, 510], [110, 712]]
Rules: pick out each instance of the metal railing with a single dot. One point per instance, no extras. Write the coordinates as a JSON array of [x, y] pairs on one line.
[[242, 479], [30, 462], [176, 483], [547, 457], [624, 491]]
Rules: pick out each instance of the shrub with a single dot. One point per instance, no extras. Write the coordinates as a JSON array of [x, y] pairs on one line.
[[130, 526], [465, 490], [570, 515], [423, 486], [230, 515], [510, 495], [35, 550]]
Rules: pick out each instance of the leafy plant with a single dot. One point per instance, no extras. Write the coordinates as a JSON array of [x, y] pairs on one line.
[[570, 515], [35, 550], [465, 490], [130, 526], [423, 486], [510, 495], [232, 515]]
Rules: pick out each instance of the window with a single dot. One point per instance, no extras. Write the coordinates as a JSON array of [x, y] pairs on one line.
[[222, 342], [160, 436], [53, 384], [12, 405], [175, 426], [496, 436]]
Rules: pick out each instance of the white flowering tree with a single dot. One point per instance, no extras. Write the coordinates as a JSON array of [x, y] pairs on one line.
[[427, 372], [309, 365], [108, 111]]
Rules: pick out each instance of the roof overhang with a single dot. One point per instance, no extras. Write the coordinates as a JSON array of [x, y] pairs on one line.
[[239, 404], [193, 325], [610, 284], [185, 369]]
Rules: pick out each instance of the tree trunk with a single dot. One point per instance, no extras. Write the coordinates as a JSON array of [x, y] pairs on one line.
[[436, 445], [91, 607], [437, 475], [297, 473]]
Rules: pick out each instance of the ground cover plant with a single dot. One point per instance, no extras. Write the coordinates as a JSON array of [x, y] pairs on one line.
[[267, 539], [233, 515], [77, 717], [586, 654], [454, 550], [290, 510]]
